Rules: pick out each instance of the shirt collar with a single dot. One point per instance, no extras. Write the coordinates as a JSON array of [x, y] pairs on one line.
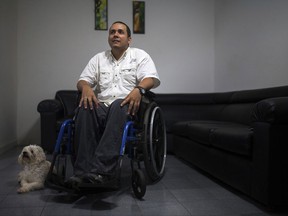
[[122, 57]]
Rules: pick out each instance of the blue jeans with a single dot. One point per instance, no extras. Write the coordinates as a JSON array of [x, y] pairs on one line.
[[98, 136]]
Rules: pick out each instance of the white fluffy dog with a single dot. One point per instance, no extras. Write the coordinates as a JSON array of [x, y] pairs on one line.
[[35, 168]]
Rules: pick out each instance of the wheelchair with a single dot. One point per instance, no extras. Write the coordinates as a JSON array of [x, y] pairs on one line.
[[143, 141]]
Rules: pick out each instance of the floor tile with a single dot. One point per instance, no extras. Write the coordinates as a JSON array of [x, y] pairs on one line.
[[22, 200], [183, 190], [173, 209], [20, 211]]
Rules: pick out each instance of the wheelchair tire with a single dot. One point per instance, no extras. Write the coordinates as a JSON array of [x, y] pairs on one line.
[[154, 143], [138, 183]]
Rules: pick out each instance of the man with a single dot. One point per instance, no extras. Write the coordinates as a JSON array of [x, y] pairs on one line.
[[120, 77]]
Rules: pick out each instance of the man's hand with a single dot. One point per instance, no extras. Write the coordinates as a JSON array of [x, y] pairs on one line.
[[134, 100], [88, 96]]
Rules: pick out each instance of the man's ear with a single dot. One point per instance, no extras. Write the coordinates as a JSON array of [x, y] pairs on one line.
[[129, 40]]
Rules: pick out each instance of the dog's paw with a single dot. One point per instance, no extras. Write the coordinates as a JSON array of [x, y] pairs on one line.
[[22, 190]]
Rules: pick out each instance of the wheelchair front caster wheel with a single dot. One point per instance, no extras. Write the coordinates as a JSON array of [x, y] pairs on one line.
[[138, 183]]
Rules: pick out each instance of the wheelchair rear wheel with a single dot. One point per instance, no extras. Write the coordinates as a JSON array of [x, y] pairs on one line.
[[155, 146]]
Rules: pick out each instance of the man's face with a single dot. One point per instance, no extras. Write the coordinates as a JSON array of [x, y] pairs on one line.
[[118, 37]]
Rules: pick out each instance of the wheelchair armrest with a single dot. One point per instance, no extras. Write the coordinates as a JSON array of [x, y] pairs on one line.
[[146, 100], [150, 95]]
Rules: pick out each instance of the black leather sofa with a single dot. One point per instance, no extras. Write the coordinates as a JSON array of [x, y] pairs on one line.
[[238, 137]]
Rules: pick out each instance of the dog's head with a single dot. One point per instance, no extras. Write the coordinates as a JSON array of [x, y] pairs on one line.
[[32, 154]]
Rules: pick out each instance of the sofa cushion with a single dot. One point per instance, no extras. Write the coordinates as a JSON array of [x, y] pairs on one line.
[[196, 130], [236, 139], [228, 136]]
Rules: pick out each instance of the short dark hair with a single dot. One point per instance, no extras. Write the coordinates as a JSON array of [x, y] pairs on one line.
[[127, 27]]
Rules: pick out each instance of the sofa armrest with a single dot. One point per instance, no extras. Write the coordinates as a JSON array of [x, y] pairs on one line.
[[272, 110], [50, 106], [50, 111]]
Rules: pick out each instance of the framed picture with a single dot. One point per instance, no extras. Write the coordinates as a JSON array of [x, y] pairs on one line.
[[101, 14], [138, 17]]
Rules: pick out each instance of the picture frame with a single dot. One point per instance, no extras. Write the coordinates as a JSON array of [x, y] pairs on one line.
[[138, 17], [101, 14]]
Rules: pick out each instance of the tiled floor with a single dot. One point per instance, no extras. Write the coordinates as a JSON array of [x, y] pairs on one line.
[[182, 191]]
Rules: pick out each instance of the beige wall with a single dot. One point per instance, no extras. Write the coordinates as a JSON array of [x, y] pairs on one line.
[[8, 80], [197, 45], [251, 44], [57, 38]]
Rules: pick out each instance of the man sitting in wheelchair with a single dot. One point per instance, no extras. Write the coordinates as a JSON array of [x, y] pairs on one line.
[[111, 86]]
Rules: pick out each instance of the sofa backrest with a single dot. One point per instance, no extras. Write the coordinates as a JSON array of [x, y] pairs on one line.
[[233, 106], [256, 95]]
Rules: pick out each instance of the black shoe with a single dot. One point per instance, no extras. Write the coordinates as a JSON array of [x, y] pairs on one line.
[[73, 182], [94, 178]]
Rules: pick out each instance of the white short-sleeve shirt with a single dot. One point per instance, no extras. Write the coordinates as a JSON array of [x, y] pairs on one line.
[[114, 79]]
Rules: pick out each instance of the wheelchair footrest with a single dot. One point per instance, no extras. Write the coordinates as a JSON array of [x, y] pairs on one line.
[[59, 187], [56, 183]]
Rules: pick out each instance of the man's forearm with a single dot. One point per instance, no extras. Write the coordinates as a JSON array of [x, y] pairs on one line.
[[147, 83], [81, 84]]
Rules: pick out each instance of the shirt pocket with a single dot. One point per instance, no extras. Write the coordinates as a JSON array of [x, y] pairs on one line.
[[128, 76], [105, 79]]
